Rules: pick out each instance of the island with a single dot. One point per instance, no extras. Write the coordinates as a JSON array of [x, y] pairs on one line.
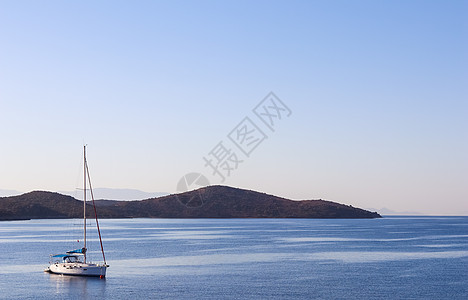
[[207, 202]]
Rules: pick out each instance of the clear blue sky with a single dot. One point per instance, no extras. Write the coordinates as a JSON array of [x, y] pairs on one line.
[[377, 90]]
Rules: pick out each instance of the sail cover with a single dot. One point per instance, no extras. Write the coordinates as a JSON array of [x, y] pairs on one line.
[[60, 255], [82, 250], [76, 251]]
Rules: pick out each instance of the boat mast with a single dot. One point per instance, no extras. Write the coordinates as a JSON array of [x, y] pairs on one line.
[[84, 202]]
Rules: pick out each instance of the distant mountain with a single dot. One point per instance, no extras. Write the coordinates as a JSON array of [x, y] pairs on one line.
[[389, 212], [207, 202], [7, 193], [117, 194]]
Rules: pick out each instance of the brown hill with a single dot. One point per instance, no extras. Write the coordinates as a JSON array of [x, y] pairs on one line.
[[228, 202], [208, 202], [45, 205]]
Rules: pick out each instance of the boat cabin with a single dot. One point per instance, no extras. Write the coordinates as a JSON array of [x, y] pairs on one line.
[[66, 258], [71, 259]]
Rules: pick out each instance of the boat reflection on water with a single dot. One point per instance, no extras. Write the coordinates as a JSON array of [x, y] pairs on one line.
[[77, 287]]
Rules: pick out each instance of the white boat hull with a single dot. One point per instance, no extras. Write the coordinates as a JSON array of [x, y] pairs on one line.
[[78, 269]]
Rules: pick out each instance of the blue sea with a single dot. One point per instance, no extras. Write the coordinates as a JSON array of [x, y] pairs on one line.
[[388, 258]]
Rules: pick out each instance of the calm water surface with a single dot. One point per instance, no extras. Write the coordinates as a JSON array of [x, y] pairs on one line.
[[393, 258]]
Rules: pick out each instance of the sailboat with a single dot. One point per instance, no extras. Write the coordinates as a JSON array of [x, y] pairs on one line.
[[74, 262]]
